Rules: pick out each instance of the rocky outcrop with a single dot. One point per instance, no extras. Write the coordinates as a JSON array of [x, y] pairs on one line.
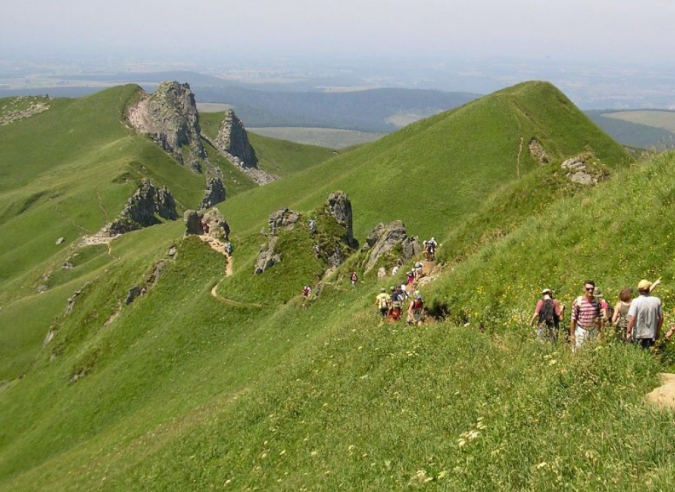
[[143, 209], [391, 239], [232, 142], [341, 209], [283, 218], [578, 170], [215, 193], [537, 152], [192, 222], [233, 139], [267, 256], [209, 223], [171, 119]]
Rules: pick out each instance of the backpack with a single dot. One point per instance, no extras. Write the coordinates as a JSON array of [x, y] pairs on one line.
[[622, 320], [383, 302], [547, 313], [417, 305]]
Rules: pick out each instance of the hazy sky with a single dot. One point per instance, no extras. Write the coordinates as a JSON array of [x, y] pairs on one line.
[[628, 30]]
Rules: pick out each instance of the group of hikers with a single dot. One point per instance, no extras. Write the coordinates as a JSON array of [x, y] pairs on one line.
[[633, 319], [391, 305]]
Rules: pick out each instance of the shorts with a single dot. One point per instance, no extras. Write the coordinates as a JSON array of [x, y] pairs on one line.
[[582, 335]]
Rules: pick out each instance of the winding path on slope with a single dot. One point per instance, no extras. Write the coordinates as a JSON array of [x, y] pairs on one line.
[[219, 247]]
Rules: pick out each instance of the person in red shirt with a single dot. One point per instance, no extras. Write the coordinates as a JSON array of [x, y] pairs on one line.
[[548, 315]]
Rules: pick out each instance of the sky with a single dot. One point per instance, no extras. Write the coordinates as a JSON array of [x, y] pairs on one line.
[[580, 30]]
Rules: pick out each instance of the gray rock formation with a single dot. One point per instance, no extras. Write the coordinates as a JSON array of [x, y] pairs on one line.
[[267, 257], [170, 117], [233, 139], [282, 219], [143, 209], [215, 193], [577, 170], [192, 221], [537, 152], [384, 239], [214, 224], [341, 209]]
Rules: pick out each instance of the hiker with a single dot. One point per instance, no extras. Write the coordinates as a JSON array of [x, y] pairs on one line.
[[306, 291], [645, 317], [382, 302], [415, 311], [605, 308], [394, 271], [430, 249], [403, 293], [548, 315], [353, 278], [586, 323], [228, 248], [395, 311], [411, 280], [620, 316], [312, 226]]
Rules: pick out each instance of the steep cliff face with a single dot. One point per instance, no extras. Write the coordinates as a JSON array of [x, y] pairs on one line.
[[390, 240], [143, 209], [233, 139], [170, 117]]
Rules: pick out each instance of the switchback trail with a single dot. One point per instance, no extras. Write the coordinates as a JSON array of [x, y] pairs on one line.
[[219, 246]]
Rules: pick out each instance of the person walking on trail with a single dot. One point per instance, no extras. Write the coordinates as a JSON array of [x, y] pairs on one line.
[[396, 303], [586, 323], [645, 317], [306, 291], [548, 315], [353, 278], [411, 280], [620, 317], [430, 249], [415, 311], [382, 302], [228, 248]]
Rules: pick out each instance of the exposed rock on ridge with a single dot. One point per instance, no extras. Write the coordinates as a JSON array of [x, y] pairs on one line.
[[232, 142], [283, 219], [578, 170], [143, 209], [233, 139], [215, 193], [537, 151], [23, 107], [390, 239], [170, 116]]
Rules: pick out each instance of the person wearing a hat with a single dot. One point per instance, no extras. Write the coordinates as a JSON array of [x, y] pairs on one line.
[[586, 320], [415, 310], [549, 314], [382, 302], [645, 317]]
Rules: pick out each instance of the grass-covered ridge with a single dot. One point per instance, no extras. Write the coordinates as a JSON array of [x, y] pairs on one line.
[[184, 391], [434, 173]]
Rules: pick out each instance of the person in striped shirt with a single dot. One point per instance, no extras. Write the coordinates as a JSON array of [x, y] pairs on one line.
[[586, 322]]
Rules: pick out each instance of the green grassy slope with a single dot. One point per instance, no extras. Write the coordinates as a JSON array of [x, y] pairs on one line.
[[182, 391], [433, 173], [279, 157], [65, 173]]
